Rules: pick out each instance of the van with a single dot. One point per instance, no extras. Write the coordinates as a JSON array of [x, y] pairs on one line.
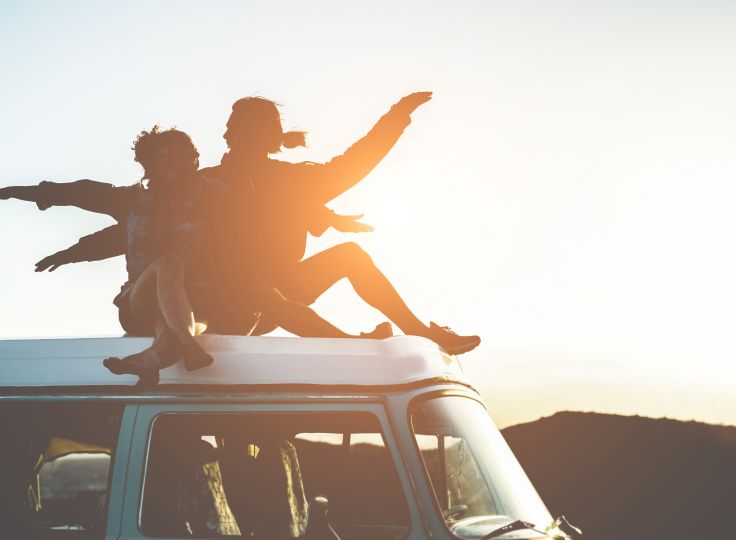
[[280, 437]]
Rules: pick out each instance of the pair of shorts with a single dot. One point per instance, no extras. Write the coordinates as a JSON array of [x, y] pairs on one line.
[[199, 295]]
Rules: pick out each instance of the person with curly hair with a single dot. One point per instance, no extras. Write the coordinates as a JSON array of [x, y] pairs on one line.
[[276, 204], [169, 292]]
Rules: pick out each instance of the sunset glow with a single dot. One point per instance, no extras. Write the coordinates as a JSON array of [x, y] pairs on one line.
[[570, 203]]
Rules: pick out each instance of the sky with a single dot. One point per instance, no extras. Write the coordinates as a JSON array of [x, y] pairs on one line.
[[567, 194]]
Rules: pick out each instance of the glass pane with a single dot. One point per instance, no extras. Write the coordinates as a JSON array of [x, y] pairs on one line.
[[263, 469], [478, 484], [54, 464]]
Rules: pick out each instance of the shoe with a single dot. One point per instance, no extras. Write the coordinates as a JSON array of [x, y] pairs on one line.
[[382, 331], [450, 341]]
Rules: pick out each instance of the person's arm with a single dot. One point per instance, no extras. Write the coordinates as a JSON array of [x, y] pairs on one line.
[[104, 244], [88, 195], [320, 183], [322, 218]]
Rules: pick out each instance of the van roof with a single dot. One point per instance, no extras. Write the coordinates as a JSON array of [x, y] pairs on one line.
[[239, 360]]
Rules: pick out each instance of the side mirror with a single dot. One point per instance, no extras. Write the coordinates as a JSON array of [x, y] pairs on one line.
[[318, 525], [567, 528]]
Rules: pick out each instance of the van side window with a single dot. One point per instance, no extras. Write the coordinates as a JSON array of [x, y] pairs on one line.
[[256, 474], [54, 464]]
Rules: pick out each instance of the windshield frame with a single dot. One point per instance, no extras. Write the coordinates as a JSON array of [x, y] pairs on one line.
[[492, 488]]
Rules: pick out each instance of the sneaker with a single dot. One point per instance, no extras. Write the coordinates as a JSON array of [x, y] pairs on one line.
[[450, 341], [382, 331]]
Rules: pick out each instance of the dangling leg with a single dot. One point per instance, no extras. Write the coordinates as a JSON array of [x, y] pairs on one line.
[[146, 364], [300, 319], [160, 289], [319, 272]]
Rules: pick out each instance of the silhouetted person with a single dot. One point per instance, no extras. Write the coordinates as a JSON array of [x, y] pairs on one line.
[[169, 266], [283, 201], [289, 195]]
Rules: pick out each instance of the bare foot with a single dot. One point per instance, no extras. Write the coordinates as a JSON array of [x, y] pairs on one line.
[[145, 365], [195, 357], [382, 331]]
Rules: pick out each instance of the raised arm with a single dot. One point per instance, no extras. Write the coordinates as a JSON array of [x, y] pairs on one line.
[[88, 195], [108, 242], [320, 183]]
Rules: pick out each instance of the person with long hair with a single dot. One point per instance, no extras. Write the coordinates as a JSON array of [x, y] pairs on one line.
[[285, 198], [277, 203], [170, 290]]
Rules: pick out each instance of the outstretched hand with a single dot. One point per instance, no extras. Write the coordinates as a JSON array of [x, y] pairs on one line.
[[52, 262], [408, 104], [350, 224], [24, 193]]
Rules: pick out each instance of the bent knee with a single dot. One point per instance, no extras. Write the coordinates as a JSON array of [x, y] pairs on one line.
[[355, 255], [266, 298], [170, 267]]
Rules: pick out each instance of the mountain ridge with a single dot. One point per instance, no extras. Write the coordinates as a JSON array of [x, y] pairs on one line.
[[632, 476]]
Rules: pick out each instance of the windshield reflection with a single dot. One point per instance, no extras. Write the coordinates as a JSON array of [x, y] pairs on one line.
[[478, 483]]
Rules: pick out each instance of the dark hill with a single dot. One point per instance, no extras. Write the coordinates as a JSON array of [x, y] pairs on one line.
[[628, 477]]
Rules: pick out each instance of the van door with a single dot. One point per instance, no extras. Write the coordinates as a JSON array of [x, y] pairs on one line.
[[203, 471]]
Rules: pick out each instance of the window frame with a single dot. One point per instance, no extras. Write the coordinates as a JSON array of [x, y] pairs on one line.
[[131, 523], [411, 405], [119, 449]]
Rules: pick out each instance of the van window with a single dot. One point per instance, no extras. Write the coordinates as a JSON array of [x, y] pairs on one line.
[[54, 464], [255, 474], [478, 484]]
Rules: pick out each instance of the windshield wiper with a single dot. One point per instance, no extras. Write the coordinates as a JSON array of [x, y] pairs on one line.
[[520, 525], [517, 525]]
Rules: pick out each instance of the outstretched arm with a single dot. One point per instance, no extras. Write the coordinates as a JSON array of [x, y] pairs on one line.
[[88, 195], [106, 243], [321, 183]]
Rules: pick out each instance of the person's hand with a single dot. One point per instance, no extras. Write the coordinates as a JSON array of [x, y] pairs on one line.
[[52, 262], [16, 192], [349, 224], [408, 104]]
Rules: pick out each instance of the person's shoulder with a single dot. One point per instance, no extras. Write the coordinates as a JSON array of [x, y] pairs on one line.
[[211, 190], [135, 187], [213, 172], [210, 180], [129, 190]]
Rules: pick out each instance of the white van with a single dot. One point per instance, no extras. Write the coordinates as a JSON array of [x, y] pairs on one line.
[[279, 438]]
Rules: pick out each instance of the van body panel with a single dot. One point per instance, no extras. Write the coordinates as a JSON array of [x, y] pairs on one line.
[[119, 472], [238, 359], [408, 385]]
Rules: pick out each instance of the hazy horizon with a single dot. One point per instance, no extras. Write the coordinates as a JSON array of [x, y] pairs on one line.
[[567, 194]]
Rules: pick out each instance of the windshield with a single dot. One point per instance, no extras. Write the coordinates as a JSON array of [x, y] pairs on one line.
[[476, 479]]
